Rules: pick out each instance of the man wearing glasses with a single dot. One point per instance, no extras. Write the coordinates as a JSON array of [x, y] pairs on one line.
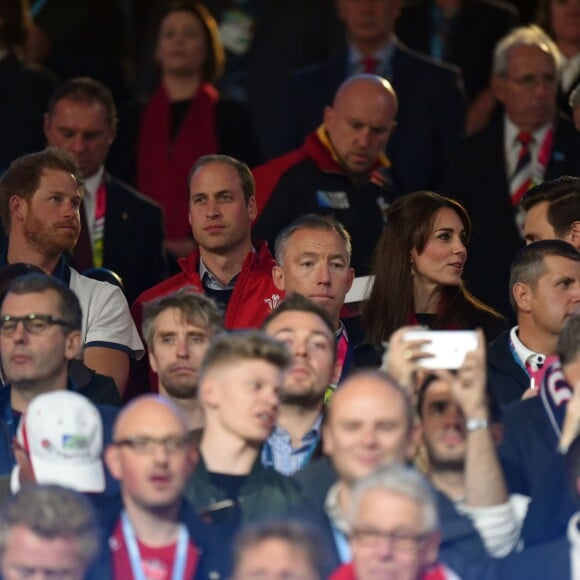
[[492, 170], [40, 333], [394, 528], [153, 532]]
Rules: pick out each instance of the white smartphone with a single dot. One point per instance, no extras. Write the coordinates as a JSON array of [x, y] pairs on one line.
[[448, 347]]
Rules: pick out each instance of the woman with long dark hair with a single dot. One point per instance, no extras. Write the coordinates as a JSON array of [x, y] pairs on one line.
[[418, 266]]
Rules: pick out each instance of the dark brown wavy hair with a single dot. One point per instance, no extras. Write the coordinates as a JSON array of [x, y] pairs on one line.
[[410, 221]]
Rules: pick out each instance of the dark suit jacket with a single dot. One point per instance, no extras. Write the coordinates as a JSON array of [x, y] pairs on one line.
[[430, 120], [475, 174], [133, 242], [474, 31], [24, 94]]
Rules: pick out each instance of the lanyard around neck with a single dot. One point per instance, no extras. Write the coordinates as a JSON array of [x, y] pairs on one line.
[[179, 560]]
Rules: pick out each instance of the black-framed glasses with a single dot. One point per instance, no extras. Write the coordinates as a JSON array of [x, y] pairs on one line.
[[33, 323], [399, 540], [148, 445]]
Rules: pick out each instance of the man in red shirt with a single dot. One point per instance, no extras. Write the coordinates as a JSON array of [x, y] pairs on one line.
[[154, 533]]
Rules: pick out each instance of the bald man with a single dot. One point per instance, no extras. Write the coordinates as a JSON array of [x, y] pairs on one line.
[[369, 424], [151, 527], [341, 169]]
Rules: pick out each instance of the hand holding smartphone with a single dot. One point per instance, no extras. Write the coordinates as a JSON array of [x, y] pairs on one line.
[[446, 347]]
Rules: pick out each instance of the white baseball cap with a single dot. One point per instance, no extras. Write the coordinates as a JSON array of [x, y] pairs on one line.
[[62, 433]]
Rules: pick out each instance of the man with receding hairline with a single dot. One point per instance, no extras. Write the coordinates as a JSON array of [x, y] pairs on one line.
[[151, 526], [341, 169], [369, 424]]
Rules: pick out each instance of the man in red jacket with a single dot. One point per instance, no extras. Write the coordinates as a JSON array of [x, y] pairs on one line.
[[226, 266]]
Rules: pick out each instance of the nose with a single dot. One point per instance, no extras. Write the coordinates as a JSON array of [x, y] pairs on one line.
[[323, 272], [369, 437], [576, 292], [77, 144], [459, 247], [384, 548], [364, 137], [160, 454], [544, 88], [300, 347], [272, 396], [452, 416], [212, 208], [19, 334], [182, 347]]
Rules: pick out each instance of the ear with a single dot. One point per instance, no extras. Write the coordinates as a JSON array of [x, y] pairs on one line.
[[350, 279], [18, 208], [112, 458], [328, 116], [46, 126], [278, 277], [432, 548], [414, 441], [193, 458], [336, 370], [113, 134], [207, 390], [327, 443], [522, 294], [72, 344], [152, 360], [252, 208], [574, 235], [498, 87]]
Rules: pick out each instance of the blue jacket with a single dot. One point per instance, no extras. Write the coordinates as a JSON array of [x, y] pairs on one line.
[[507, 378]]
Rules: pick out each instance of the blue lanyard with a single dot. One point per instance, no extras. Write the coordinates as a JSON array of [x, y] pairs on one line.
[[9, 420], [179, 560], [342, 545]]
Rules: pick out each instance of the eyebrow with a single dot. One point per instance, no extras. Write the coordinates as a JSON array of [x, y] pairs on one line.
[[312, 332], [309, 254]]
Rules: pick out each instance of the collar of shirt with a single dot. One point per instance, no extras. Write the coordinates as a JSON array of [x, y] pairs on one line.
[[512, 146], [333, 511], [383, 56], [281, 434], [90, 186], [569, 71], [211, 281], [526, 356], [574, 531]]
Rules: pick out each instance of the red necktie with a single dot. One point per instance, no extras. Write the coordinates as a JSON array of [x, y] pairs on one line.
[[369, 64], [521, 179]]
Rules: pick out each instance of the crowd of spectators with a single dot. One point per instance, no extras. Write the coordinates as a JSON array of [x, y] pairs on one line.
[[221, 221]]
